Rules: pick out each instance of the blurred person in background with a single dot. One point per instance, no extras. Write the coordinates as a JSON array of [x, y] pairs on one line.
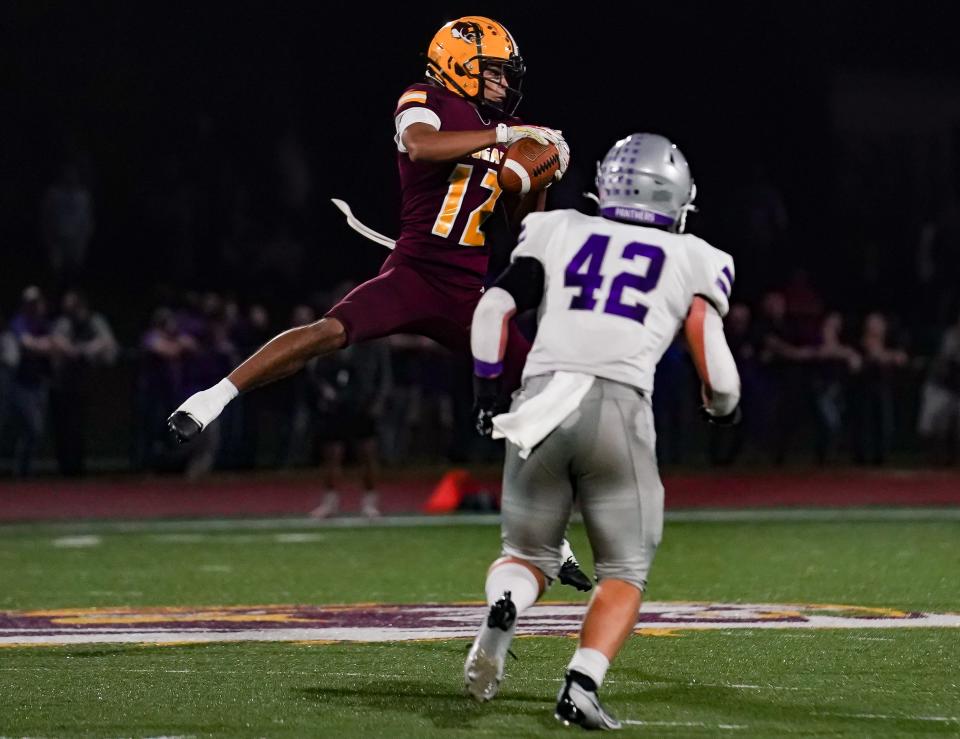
[[67, 223], [781, 376], [30, 389], [164, 349], [9, 359], [353, 388], [401, 422], [873, 416], [251, 331], [231, 423], [834, 363], [298, 398], [205, 320], [89, 343], [804, 308], [939, 419], [726, 442], [672, 407]]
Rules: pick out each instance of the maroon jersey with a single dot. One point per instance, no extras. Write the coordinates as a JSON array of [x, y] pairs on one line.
[[444, 205]]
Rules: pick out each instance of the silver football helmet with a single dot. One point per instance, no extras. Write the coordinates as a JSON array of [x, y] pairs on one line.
[[645, 179]]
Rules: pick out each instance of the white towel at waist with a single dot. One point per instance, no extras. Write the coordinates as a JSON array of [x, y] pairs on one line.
[[536, 417]]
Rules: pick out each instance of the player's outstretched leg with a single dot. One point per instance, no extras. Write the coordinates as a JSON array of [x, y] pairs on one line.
[[610, 619], [283, 355], [570, 572], [512, 587]]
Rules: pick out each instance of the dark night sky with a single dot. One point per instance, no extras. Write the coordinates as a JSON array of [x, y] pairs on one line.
[[733, 84]]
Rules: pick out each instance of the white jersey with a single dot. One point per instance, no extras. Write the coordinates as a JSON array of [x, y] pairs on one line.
[[615, 294]]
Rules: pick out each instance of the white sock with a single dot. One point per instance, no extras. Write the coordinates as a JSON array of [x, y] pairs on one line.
[[566, 552], [206, 405], [524, 590], [519, 580], [591, 662]]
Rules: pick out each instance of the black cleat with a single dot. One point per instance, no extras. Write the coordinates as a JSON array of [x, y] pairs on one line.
[[183, 426], [572, 575], [579, 704]]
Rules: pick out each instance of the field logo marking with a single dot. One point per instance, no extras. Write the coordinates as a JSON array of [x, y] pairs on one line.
[[372, 622]]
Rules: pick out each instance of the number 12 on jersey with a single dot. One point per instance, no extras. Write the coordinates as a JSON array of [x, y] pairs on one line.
[[584, 272], [459, 181]]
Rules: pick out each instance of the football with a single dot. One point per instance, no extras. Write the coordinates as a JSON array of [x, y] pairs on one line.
[[528, 166]]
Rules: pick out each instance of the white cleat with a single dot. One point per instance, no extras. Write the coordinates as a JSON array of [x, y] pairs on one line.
[[482, 673], [483, 670]]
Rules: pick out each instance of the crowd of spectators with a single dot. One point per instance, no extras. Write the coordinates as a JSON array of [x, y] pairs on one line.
[[386, 399], [814, 384], [48, 369], [817, 384], [850, 383]]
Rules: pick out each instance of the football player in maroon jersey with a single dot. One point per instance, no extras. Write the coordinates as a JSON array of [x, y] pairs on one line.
[[451, 131]]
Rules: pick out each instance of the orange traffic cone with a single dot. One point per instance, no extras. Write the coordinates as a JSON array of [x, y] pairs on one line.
[[449, 492]]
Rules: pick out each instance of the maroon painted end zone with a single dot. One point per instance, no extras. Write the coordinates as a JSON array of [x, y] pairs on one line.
[[265, 495]]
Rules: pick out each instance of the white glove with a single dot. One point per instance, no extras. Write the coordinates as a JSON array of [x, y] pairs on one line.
[[541, 134], [564, 150]]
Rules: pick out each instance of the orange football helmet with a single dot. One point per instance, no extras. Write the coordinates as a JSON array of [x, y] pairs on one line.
[[461, 50]]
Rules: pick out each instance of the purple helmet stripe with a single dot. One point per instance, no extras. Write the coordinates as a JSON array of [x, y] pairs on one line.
[[636, 215], [487, 369]]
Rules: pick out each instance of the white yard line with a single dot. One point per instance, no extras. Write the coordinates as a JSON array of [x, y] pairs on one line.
[[77, 542], [216, 525], [889, 717], [684, 724]]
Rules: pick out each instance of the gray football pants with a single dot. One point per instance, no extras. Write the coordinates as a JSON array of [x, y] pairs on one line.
[[602, 455]]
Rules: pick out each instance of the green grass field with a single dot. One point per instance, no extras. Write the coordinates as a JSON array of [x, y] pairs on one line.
[[746, 682]]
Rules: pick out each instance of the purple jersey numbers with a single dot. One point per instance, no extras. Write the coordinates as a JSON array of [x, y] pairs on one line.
[[591, 257], [584, 272], [643, 283]]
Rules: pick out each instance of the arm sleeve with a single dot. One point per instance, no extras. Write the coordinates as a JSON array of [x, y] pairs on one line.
[[519, 288], [712, 357], [488, 334], [415, 106], [713, 275]]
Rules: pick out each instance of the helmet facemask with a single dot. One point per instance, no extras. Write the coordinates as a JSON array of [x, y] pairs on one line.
[[511, 79]]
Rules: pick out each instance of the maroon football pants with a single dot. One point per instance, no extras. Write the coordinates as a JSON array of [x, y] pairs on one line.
[[406, 298]]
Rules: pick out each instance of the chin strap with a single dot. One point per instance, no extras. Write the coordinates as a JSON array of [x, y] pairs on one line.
[[682, 218], [687, 207]]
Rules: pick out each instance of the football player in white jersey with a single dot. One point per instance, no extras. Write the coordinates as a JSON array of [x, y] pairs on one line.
[[613, 291]]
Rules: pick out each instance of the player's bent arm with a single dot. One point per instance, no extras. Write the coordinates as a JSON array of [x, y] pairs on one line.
[[519, 288], [424, 143], [715, 365]]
